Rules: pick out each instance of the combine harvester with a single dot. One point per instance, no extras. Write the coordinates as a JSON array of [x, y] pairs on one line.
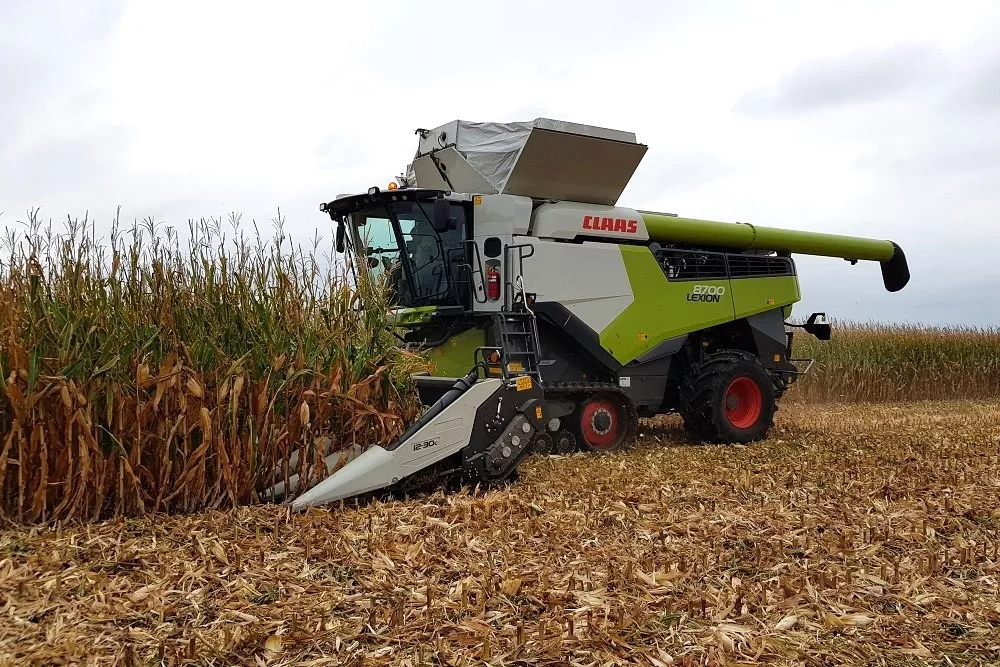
[[555, 317]]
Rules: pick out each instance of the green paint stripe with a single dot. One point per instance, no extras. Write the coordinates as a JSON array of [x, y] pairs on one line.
[[411, 316], [662, 309], [456, 356]]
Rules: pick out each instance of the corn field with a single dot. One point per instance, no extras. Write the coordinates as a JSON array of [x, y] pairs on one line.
[[871, 362], [145, 374], [149, 375]]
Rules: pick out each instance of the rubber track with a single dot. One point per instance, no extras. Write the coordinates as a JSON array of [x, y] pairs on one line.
[[694, 408], [579, 391], [444, 473]]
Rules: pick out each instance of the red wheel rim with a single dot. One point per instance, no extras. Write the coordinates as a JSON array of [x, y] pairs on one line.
[[600, 423], [743, 402]]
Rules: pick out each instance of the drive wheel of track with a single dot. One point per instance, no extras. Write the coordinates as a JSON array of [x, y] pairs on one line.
[[728, 398], [601, 423]]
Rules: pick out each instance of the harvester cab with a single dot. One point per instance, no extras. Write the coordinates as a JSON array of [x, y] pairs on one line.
[[558, 316]]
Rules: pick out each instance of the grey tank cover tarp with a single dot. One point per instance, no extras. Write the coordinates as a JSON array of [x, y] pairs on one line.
[[543, 158]]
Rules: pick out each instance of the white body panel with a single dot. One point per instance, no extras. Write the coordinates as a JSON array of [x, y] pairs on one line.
[[378, 468], [569, 220], [333, 461], [462, 176], [498, 216], [588, 278]]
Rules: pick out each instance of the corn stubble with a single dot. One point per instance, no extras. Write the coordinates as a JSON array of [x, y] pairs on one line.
[[853, 536], [143, 376], [871, 362]]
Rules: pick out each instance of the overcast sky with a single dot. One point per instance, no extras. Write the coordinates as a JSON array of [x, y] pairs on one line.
[[871, 118]]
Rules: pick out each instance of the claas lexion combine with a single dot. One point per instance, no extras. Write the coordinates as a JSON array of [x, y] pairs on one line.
[[555, 318]]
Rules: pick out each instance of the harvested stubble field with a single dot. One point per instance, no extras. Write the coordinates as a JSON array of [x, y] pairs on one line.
[[856, 535]]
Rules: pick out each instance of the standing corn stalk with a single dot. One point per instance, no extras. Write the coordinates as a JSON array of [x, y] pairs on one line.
[[143, 376]]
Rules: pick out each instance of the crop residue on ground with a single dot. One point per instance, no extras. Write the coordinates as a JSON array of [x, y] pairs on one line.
[[855, 535]]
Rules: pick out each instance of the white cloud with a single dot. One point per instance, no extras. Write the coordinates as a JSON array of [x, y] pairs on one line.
[[871, 118]]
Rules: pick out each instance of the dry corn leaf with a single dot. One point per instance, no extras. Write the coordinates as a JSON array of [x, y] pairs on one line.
[[786, 623], [64, 394], [273, 645], [142, 593], [511, 586], [659, 661], [734, 629], [194, 388], [725, 641], [856, 620], [220, 553]]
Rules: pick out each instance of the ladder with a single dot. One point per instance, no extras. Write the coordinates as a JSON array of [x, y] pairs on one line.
[[517, 335]]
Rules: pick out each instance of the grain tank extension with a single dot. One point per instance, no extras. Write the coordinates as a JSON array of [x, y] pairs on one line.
[[513, 264]]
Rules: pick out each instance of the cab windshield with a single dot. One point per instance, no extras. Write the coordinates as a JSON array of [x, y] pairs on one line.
[[398, 241]]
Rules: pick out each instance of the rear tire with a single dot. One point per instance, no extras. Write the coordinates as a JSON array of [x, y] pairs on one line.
[[728, 398]]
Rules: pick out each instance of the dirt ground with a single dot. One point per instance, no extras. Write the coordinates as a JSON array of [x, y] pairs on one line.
[[855, 535]]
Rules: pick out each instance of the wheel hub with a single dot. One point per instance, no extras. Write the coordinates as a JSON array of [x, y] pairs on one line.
[[601, 421], [743, 402]]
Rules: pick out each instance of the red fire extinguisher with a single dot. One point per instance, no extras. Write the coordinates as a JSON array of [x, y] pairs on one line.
[[492, 283]]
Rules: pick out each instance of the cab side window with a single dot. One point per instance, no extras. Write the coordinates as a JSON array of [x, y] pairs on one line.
[[456, 257]]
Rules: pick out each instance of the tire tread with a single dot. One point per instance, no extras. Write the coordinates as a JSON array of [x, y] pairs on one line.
[[706, 383]]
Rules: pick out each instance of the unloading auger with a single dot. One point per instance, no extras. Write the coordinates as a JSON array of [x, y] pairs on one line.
[[631, 313]]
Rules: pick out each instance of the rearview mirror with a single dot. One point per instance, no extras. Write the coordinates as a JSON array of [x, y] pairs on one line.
[[340, 236], [822, 330], [442, 221]]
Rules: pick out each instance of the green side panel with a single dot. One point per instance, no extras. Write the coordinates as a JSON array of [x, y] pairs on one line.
[[662, 309], [456, 356], [744, 236], [405, 317], [756, 295]]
